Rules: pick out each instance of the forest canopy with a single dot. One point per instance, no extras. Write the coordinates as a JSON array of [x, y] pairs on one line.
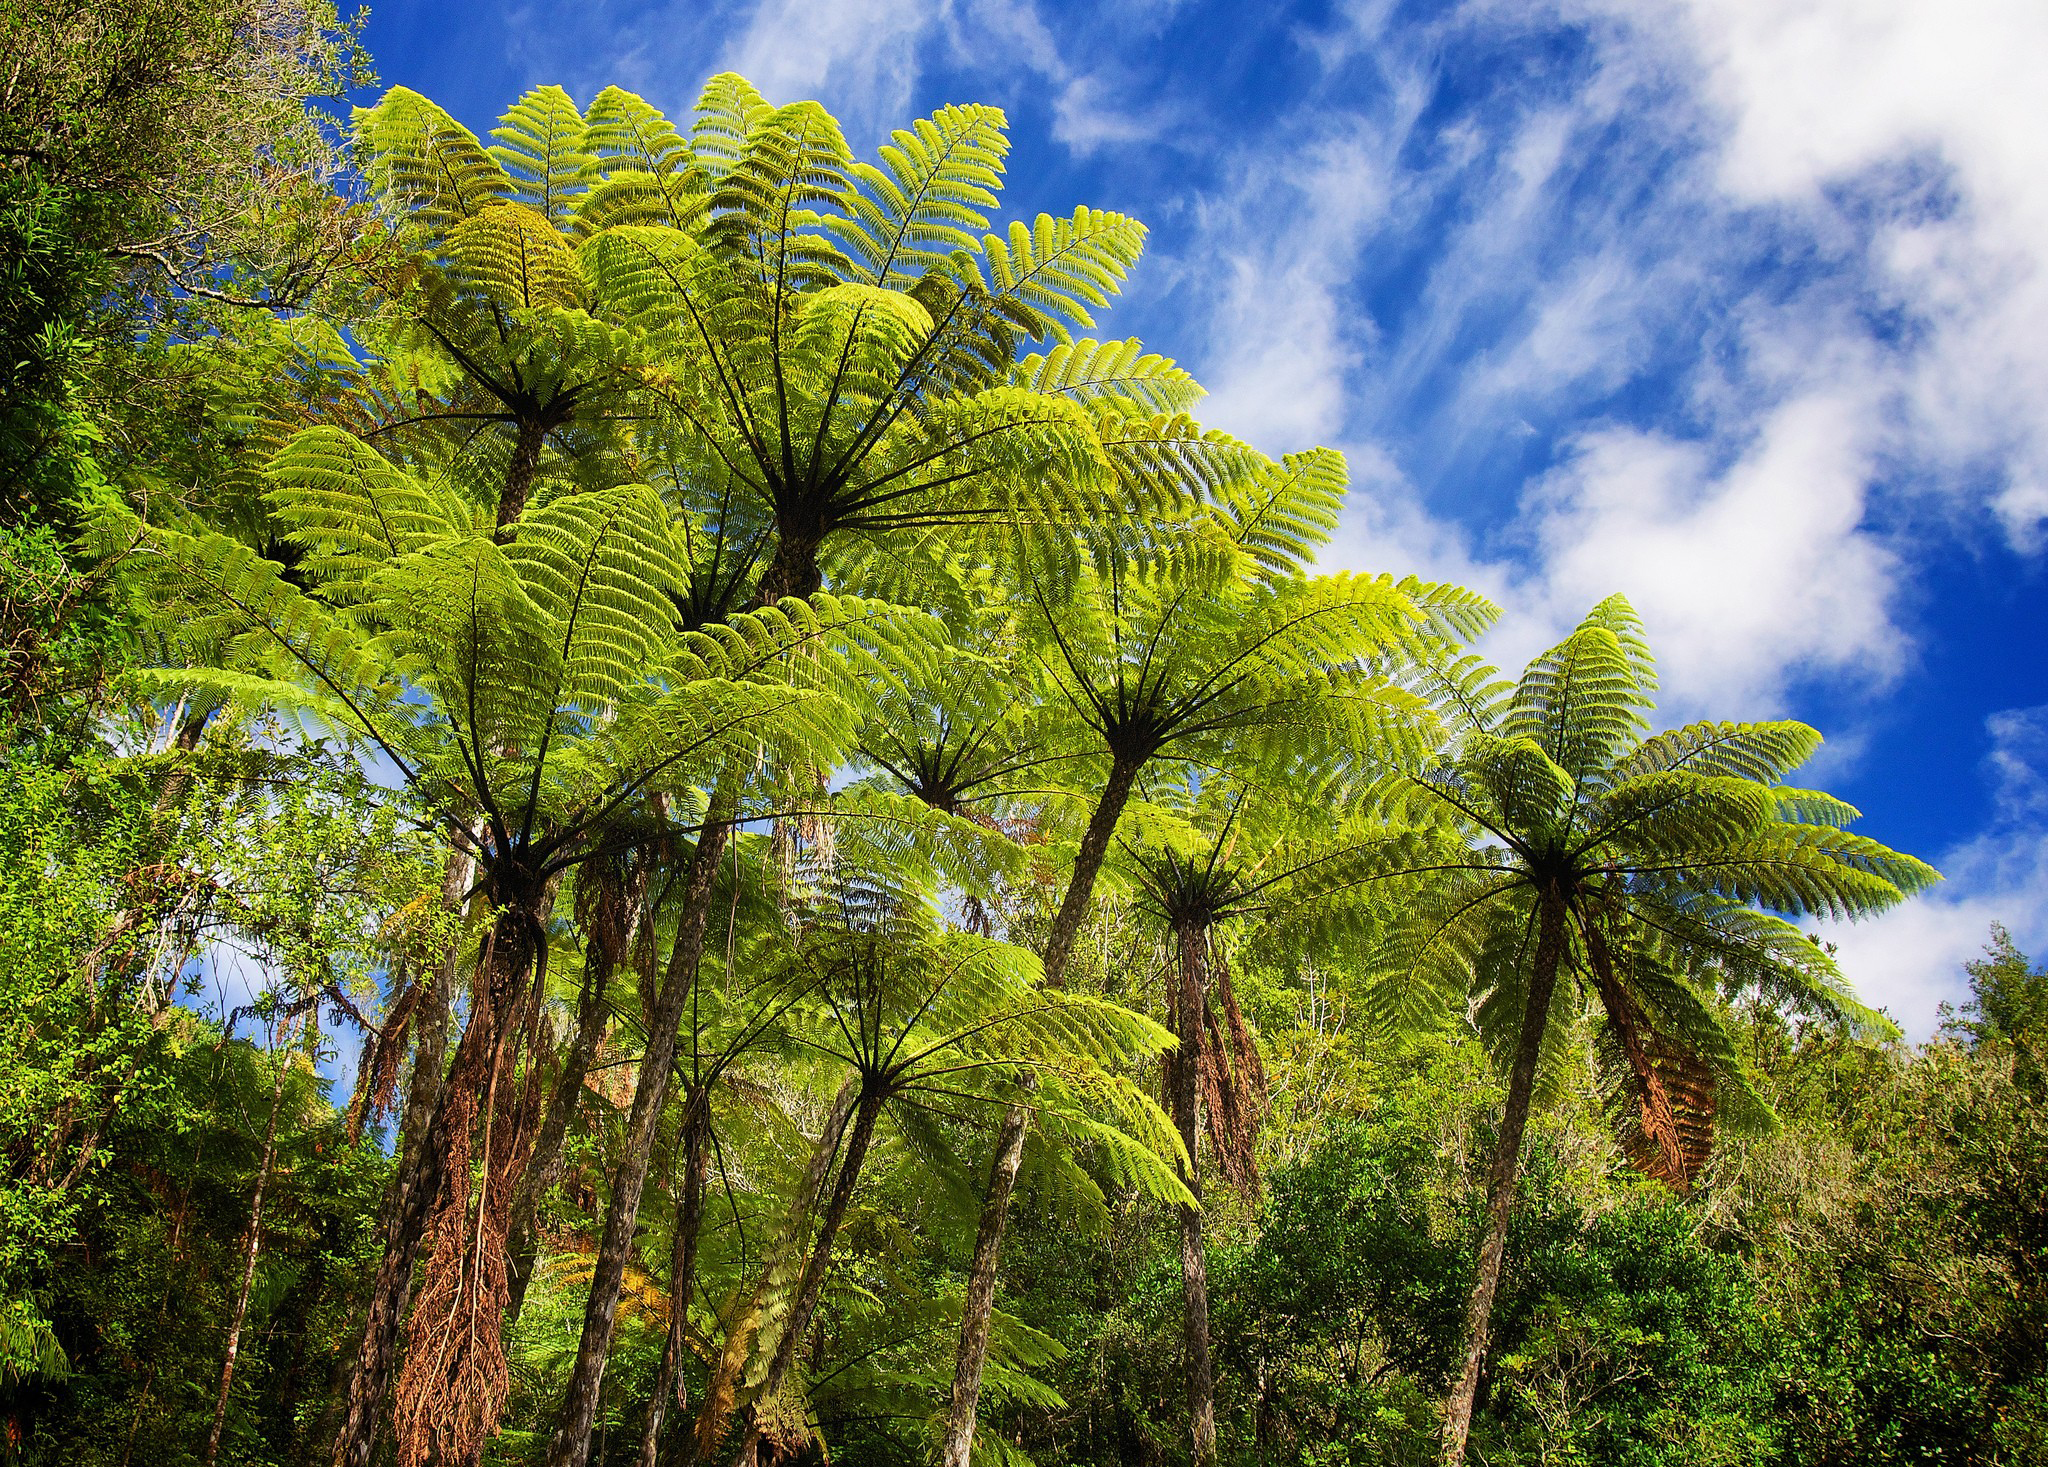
[[656, 808]]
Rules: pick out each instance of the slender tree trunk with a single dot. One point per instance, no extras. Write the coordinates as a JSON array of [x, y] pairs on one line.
[[498, 991], [682, 1272], [436, 1011], [1506, 1169], [1066, 923], [570, 1445], [249, 1257], [812, 1282], [972, 1353], [979, 1305], [1184, 1074], [523, 1245]]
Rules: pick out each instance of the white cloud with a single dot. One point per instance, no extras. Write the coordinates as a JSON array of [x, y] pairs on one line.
[[1743, 577], [1910, 961], [1928, 118], [861, 56], [1086, 121]]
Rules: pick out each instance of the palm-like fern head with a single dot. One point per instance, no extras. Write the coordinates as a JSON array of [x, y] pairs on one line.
[[842, 339], [540, 686], [1678, 859]]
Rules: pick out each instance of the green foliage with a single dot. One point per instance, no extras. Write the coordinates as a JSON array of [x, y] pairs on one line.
[[636, 476], [1647, 857]]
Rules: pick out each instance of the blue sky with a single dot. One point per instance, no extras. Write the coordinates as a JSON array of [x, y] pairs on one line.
[[1739, 307]]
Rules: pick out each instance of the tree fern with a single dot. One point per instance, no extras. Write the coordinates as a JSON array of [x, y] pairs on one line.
[[1629, 866]]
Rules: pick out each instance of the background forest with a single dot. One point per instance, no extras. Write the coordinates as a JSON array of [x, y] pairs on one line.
[[654, 812]]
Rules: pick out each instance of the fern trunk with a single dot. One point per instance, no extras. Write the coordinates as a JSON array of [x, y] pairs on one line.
[[523, 1245], [1184, 1071], [972, 1353], [1066, 923], [979, 1306], [721, 1389], [499, 991], [1506, 1170], [570, 1445], [792, 570], [520, 474], [682, 1273], [757, 1447]]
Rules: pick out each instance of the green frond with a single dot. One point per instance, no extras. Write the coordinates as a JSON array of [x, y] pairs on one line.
[[1453, 613], [423, 163], [1760, 751], [1582, 701], [540, 145], [1125, 1162], [601, 567], [1057, 269], [462, 625], [1468, 690], [351, 509], [1427, 966], [1801, 870], [1677, 810], [514, 257], [728, 111], [1527, 792], [925, 202], [1744, 950], [766, 211], [238, 608], [1282, 515], [1814, 807], [1166, 461], [1089, 369]]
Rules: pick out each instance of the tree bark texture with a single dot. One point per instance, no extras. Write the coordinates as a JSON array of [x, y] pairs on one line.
[[1059, 947], [1066, 923], [1184, 1084], [1506, 1170], [498, 994], [720, 1392], [979, 1306], [570, 1445], [249, 1257], [519, 474], [599, 959], [682, 1269]]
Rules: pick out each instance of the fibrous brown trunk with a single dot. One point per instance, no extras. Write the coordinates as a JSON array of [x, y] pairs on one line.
[[682, 1271], [1184, 1079], [792, 570], [570, 1445], [600, 957], [519, 474], [1505, 1171], [979, 1305], [423, 1090], [249, 1257], [498, 992]]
